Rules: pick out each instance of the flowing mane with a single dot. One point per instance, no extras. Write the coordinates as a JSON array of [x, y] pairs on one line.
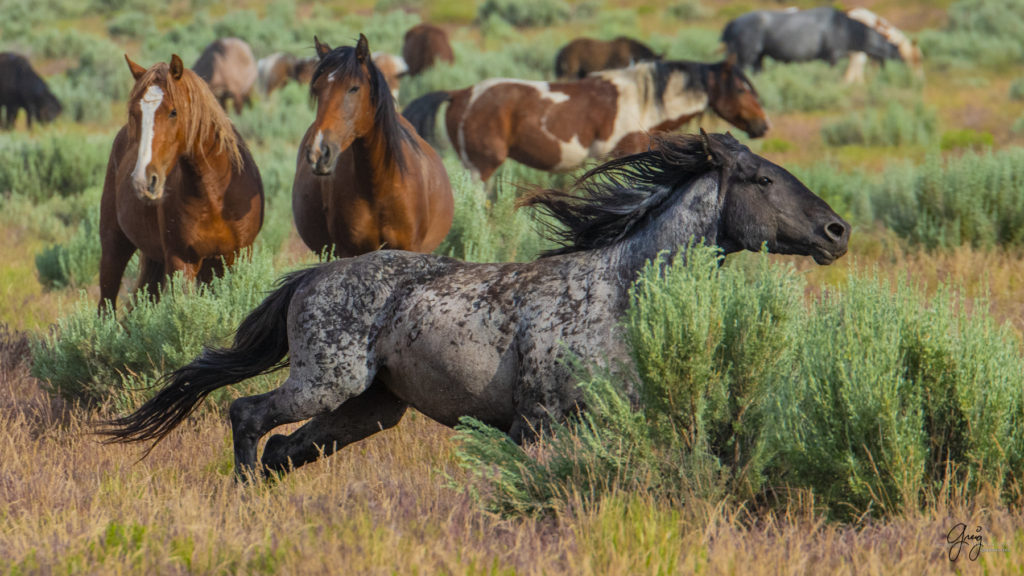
[[343, 61], [605, 205], [197, 108]]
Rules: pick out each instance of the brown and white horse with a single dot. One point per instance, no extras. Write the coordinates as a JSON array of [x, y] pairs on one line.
[[365, 180], [279, 68], [556, 126], [181, 186], [909, 51], [393, 68]]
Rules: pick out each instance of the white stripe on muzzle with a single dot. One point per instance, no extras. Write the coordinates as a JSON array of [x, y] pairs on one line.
[[149, 103]]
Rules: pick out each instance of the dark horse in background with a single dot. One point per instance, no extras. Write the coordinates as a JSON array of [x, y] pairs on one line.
[[800, 35], [369, 336], [230, 70], [181, 186], [585, 55], [424, 46], [364, 179], [556, 126], [22, 89]]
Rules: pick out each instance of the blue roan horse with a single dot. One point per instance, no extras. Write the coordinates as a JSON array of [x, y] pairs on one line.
[[801, 35], [369, 336]]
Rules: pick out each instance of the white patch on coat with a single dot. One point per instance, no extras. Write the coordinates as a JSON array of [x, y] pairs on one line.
[[318, 140], [149, 103]]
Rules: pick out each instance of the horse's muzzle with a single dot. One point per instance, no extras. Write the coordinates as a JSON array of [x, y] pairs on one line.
[[322, 159], [149, 187]]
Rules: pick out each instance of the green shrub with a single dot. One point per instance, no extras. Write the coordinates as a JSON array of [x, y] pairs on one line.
[[131, 25], [979, 33], [1017, 89], [800, 87], [688, 10], [897, 125], [525, 12], [76, 263], [875, 398], [966, 138], [53, 165], [98, 358]]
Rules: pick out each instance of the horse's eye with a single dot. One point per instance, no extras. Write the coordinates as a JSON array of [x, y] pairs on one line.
[[173, 114], [764, 181], [353, 89]]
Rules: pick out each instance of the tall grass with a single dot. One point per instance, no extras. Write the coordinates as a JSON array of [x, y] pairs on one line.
[[874, 399]]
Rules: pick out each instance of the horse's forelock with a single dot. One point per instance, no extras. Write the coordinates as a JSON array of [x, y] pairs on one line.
[[196, 105]]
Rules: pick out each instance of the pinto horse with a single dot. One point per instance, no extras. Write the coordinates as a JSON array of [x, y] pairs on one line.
[[908, 49], [556, 126], [365, 180], [585, 55], [181, 186], [371, 335]]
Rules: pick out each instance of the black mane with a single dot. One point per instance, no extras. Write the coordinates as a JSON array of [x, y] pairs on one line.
[[606, 204], [343, 61]]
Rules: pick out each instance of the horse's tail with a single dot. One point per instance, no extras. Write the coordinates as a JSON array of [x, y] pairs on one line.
[[261, 343], [422, 114]]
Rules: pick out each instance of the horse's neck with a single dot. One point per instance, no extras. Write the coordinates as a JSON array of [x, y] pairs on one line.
[[373, 164], [209, 166], [651, 110], [692, 215]]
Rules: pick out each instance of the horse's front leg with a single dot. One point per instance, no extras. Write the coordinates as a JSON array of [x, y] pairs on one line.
[[175, 263]]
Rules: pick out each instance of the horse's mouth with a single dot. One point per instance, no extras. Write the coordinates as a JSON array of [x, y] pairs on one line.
[[322, 170], [824, 257]]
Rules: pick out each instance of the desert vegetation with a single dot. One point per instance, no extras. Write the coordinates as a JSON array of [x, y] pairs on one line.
[[795, 418]]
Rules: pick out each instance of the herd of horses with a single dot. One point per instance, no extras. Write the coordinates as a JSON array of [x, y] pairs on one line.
[[386, 325]]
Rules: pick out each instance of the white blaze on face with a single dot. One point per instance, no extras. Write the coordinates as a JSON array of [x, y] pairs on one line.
[[149, 103]]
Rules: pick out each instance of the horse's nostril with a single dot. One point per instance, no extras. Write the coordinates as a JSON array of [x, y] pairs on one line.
[[835, 231], [326, 152]]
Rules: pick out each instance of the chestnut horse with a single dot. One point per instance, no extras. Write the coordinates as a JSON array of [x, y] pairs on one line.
[[181, 186], [365, 180], [556, 126], [424, 46], [585, 55]]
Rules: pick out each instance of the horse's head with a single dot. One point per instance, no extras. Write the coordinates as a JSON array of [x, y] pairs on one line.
[[172, 114], [733, 97], [765, 204], [49, 107], [350, 93]]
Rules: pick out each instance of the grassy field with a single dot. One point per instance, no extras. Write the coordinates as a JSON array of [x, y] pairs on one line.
[[929, 171]]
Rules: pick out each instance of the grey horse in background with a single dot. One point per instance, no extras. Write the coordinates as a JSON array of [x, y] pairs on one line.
[[801, 35], [371, 335]]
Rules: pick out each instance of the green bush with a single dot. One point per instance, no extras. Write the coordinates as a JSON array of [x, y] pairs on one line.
[[965, 138], [53, 165], [876, 399], [525, 12], [979, 33], [98, 358], [800, 87], [688, 10], [897, 125], [76, 263]]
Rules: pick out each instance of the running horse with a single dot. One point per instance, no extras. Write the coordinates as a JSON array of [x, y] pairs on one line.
[[181, 186], [370, 336], [365, 180], [556, 126]]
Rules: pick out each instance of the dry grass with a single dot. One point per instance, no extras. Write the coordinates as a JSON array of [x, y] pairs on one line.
[[69, 504]]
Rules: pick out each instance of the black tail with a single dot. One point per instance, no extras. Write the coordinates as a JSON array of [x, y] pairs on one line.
[[422, 114], [261, 344]]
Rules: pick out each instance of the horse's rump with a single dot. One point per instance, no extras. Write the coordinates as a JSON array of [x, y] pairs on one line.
[[424, 46]]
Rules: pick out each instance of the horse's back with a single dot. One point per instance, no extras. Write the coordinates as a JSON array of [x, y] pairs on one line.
[[424, 45], [228, 66]]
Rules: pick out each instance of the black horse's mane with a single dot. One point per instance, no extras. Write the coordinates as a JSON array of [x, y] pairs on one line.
[[343, 60], [606, 204]]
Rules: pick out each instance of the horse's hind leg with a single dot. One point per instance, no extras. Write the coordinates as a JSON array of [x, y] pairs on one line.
[[252, 417], [362, 416]]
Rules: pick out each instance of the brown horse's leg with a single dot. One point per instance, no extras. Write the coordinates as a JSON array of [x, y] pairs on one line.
[[213, 267], [117, 250], [358, 418], [151, 277]]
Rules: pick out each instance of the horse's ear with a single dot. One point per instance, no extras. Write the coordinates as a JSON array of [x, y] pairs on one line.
[[177, 67], [362, 49], [137, 70], [715, 146], [322, 48]]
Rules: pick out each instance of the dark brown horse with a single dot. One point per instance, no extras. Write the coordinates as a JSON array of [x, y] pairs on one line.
[[22, 89], [557, 126], [365, 180], [229, 67], [585, 55], [181, 186], [367, 337], [424, 46]]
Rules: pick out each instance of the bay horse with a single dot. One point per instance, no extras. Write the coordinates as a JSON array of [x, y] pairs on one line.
[[230, 69], [556, 126], [800, 35], [21, 88], [364, 179], [181, 186], [909, 51], [585, 55], [425, 45], [369, 336]]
